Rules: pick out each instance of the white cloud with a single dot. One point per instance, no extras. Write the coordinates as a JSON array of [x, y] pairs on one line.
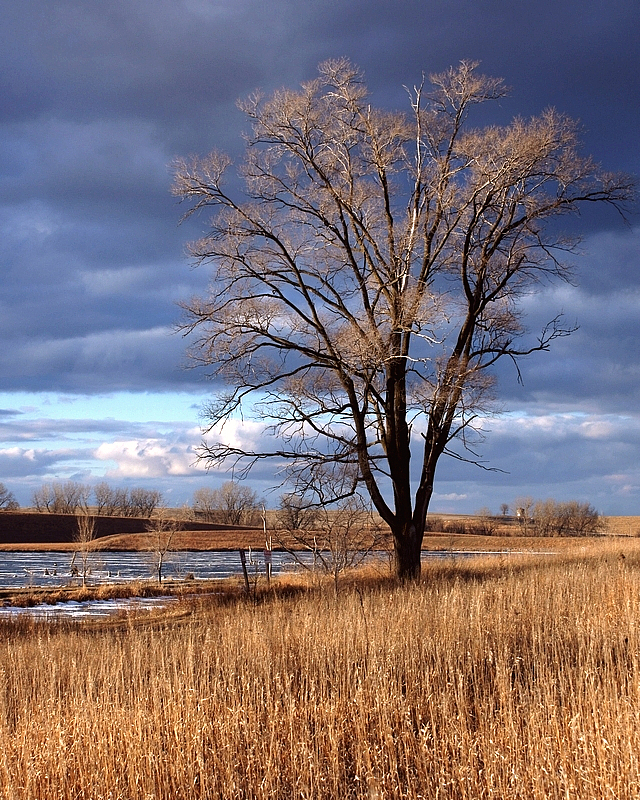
[[245, 434], [148, 458], [563, 425]]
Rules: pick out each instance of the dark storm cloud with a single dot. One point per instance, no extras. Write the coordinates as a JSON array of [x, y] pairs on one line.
[[566, 456], [122, 360], [597, 366], [97, 97]]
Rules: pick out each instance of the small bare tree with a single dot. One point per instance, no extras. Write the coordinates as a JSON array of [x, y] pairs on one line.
[[341, 538], [162, 530], [7, 500], [85, 535], [485, 523], [295, 513], [371, 275]]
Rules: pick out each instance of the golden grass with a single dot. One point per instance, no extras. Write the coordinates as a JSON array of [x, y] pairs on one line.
[[623, 526], [517, 679]]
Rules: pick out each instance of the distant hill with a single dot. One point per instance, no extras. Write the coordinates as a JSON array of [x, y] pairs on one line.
[[31, 527]]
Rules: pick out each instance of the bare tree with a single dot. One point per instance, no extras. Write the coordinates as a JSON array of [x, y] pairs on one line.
[[106, 499], [370, 275], [143, 502], [341, 538], [8, 501], [205, 504], [582, 519], [124, 502], [571, 518], [85, 534], [162, 530], [295, 512], [62, 498], [231, 504]]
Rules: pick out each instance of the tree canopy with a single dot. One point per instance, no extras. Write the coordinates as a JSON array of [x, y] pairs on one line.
[[369, 274]]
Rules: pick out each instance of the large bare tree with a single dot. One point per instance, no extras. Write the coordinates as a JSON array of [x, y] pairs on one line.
[[369, 274]]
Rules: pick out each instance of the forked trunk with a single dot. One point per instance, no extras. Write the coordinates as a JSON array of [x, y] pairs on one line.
[[408, 546]]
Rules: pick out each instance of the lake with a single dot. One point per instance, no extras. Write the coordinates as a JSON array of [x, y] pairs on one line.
[[49, 569], [19, 569], [52, 569]]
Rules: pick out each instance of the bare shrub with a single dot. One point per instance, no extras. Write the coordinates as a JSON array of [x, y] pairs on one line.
[[341, 538], [454, 526], [484, 525], [434, 524]]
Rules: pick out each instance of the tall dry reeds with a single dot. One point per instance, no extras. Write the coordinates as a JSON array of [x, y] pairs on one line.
[[487, 681]]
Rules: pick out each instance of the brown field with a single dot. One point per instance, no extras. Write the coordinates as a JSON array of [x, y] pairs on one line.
[[623, 526], [493, 679], [506, 538]]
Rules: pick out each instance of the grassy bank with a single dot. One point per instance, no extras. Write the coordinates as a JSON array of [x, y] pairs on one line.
[[487, 680]]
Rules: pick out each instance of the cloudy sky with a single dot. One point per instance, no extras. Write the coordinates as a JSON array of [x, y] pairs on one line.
[[98, 97]]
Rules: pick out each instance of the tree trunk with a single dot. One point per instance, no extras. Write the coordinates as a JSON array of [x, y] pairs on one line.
[[408, 546]]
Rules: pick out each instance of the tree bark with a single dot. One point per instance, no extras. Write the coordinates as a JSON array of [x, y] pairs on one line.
[[408, 548]]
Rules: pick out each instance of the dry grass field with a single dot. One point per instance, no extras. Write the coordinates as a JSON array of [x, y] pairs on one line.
[[500, 678]]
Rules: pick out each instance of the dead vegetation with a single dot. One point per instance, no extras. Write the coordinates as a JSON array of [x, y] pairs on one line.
[[499, 679]]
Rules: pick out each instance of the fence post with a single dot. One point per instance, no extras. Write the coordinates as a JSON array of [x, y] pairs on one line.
[[244, 570]]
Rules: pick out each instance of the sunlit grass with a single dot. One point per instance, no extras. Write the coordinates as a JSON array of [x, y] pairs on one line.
[[504, 679]]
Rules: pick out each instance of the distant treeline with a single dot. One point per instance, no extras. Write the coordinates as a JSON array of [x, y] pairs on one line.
[[532, 518], [72, 497]]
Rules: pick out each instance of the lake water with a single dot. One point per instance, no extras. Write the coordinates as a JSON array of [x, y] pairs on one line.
[[52, 569], [89, 608], [19, 569]]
